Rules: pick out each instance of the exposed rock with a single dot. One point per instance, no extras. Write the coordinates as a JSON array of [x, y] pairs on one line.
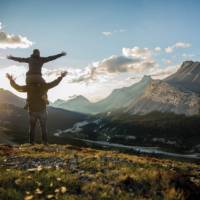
[[187, 77], [161, 96]]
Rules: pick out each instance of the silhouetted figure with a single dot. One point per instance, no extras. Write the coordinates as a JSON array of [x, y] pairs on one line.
[[36, 93], [35, 62]]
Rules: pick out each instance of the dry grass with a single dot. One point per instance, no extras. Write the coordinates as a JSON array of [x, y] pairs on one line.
[[68, 172]]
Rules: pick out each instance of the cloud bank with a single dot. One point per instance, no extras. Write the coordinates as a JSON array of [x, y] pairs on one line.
[[13, 41], [132, 60], [178, 45], [99, 78]]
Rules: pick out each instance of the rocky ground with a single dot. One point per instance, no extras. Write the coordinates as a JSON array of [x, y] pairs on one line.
[[70, 172]]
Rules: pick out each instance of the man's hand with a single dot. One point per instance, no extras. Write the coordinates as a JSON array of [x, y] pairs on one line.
[[10, 77], [63, 53], [63, 74], [9, 57]]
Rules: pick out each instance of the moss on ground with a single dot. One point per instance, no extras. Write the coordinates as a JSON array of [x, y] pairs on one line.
[[68, 172]]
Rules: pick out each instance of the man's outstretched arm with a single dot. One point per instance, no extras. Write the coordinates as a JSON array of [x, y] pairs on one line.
[[50, 58], [56, 81], [18, 59], [17, 87]]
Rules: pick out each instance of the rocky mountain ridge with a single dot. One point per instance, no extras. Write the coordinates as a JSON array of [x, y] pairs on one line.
[[163, 97]]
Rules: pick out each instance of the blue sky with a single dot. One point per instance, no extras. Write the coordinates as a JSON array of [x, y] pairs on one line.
[[77, 26]]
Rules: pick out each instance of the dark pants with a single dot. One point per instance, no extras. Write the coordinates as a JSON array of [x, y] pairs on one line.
[[42, 118]]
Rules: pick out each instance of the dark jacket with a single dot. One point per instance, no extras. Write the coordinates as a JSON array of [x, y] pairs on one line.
[[35, 62], [36, 93]]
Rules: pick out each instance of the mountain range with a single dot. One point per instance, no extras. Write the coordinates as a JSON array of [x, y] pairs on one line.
[[153, 113], [115, 100], [178, 93], [163, 97], [78, 103], [150, 112]]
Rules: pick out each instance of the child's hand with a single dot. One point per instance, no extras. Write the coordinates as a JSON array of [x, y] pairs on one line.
[[63, 53], [9, 57]]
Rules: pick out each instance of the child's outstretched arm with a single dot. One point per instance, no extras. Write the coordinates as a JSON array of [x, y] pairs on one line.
[[50, 58], [18, 59]]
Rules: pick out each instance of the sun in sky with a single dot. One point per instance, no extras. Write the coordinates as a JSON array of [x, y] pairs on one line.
[[110, 44]]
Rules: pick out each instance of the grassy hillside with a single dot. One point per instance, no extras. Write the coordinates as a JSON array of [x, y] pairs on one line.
[[69, 172]]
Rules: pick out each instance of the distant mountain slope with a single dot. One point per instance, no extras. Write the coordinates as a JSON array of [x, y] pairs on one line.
[[79, 104], [187, 77], [122, 97], [9, 98], [161, 96], [117, 99]]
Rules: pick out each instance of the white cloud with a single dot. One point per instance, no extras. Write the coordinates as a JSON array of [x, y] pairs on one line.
[[182, 45], [178, 45], [120, 31], [107, 33], [161, 73], [167, 61], [187, 56], [157, 49], [137, 52], [169, 49], [110, 33], [13, 41], [116, 64], [135, 60], [158, 73]]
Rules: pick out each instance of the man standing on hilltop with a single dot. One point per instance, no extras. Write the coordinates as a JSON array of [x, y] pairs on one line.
[[36, 93], [35, 63]]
